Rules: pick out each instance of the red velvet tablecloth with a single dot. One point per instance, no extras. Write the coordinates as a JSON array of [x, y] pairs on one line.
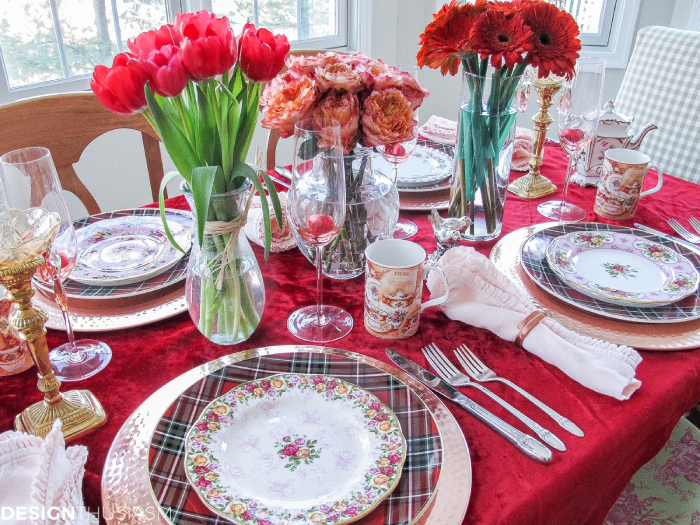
[[577, 488]]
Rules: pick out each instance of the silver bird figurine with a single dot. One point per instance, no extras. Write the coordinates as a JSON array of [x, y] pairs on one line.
[[448, 233]]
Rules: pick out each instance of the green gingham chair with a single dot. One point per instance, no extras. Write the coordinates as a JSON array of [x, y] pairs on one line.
[[661, 84]]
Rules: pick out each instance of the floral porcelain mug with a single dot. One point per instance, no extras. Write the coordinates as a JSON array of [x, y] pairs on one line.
[[620, 187], [394, 274]]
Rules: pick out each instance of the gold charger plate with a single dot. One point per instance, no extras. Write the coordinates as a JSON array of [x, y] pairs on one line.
[[114, 314], [127, 497], [506, 254]]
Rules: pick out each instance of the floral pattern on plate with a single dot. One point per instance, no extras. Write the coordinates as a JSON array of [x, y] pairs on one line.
[[619, 270], [343, 452], [126, 250], [622, 269]]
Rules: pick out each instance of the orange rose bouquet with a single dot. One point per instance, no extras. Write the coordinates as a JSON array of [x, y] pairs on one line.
[[494, 42], [374, 104]]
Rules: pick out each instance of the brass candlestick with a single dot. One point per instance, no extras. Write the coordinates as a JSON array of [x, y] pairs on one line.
[[535, 185], [79, 410]]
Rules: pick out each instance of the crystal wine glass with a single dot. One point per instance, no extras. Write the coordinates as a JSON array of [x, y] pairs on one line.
[[30, 180], [579, 111], [316, 209], [396, 154]]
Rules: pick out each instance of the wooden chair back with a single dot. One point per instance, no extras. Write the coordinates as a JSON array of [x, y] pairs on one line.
[[65, 124], [273, 136]]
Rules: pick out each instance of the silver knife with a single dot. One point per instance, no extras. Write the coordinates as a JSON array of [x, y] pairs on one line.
[[695, 247], [525, 443], [284, 172]]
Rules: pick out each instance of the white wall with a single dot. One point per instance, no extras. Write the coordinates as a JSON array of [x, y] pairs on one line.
[[114, 168]]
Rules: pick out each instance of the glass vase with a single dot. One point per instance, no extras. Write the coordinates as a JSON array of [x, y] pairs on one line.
[[485, 139], [371, 215], [227, 309]]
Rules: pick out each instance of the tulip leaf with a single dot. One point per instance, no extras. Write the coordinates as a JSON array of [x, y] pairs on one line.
[[241, 169], [176, 143], [276, 205], [201, 185], [161, 205], [308, 148], [205, 133]]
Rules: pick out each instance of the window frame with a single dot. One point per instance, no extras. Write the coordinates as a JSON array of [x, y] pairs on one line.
[[352, 35]]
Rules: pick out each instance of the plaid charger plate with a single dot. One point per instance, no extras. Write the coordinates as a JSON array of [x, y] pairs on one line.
[[171, 276], [181, 505], [534, 261]]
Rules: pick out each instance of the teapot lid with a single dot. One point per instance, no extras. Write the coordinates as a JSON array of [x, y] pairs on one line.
[[610, 116]]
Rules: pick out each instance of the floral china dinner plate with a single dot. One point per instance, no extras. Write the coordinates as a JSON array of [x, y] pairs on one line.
[[621, 268], [295, 449], [426, 165], [127, 249]]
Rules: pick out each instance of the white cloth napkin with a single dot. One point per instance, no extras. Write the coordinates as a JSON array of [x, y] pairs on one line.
[[482, 296], [41, 480], [282, 240], [440, 130]]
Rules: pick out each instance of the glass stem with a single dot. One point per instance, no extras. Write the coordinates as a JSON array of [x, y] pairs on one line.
[[569, 172], [62, 301], [319, 285], [394, 173]]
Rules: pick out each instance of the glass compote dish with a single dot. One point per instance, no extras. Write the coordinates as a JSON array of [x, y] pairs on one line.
[[316, 210], [30, 181], [396, 154], [579, 112]]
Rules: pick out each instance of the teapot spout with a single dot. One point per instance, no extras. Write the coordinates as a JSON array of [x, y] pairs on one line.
[[636, 141]]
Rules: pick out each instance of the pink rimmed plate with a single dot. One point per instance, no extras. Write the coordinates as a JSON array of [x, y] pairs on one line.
[[621, 268], [295, 449]]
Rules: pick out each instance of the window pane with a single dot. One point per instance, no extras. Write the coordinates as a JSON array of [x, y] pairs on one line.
[[280, 16], [238, 12], [137, 16], [588, 13], [30, 55]]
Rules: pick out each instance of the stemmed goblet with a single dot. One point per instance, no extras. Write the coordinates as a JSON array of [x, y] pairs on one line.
[[396, 154], [316, 209], [31, 181], [579, 112]]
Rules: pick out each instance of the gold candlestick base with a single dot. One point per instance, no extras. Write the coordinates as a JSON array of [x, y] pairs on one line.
[[534, 185], [79, 410]]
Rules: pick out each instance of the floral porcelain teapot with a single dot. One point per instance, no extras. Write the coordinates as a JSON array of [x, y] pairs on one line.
[[614, 131]]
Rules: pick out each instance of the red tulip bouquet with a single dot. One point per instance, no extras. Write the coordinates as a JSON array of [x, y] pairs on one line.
[[374, 104], [199, 87], [508, 36]]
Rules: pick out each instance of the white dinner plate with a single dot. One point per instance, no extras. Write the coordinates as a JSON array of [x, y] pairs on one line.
[[426, 165], [295, 449]]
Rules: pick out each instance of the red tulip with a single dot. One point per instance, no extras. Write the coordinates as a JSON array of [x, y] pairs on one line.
[[168, 75], [262, 54], [150, 40], [120, 88], [207, 42]]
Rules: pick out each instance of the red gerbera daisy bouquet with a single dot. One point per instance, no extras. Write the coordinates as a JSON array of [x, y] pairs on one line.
[[199, 86], [494, 42]]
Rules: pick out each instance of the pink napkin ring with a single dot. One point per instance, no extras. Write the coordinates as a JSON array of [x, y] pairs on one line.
[[526, 325]]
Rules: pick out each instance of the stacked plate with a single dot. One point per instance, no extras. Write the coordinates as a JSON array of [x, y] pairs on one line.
[[127, 272], [615, 272], [424, 179]]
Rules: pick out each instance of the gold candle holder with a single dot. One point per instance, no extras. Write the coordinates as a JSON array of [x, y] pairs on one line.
[[79, 410], [534, 184]]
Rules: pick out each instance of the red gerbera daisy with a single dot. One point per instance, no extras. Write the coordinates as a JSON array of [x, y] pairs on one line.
[[509, 7], [502, 36], [555, 42], [448, 36]]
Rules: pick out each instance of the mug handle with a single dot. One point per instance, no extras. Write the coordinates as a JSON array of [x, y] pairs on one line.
[[658, 184], [427, 267]]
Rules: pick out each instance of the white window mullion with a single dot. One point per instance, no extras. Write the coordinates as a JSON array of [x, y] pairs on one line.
[[117, 26], [59, 39]]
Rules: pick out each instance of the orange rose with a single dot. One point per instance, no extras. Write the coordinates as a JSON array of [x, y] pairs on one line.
[[370, 414], [392, 446], [210, 476], [387, 118], [220, 410], [320, 387], [363, 500], [380, 480], [364, 399], [213, 493], [213, 425], [286, 100], [385, 426], [239, 394], [341, 389], [303, 453], [259, 392], [200, 460], [237, 508], [307, 64], [303, 381], [383, 462], [277, 383], [338, 76], [345, 109]]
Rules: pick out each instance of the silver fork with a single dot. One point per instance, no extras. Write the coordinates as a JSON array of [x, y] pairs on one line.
[[695, 224], [680, 230], [454, 377], [482, 373]]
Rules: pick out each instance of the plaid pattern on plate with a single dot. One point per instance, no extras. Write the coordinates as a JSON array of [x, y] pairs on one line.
[[172, 275], [180, 503], [661, 85], [534, 261]]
